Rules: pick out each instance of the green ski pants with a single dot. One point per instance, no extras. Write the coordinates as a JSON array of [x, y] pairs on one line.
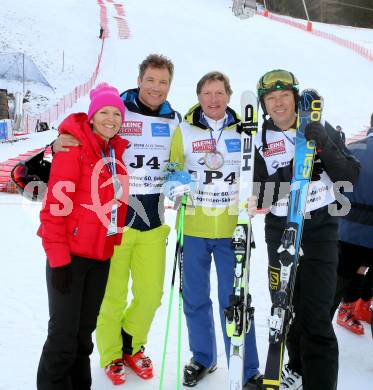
[[141, 255]]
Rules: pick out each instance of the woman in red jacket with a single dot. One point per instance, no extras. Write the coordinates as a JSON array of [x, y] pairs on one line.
[[81, 220]]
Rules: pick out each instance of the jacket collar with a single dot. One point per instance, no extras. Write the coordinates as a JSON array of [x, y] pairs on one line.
[[195, 118]]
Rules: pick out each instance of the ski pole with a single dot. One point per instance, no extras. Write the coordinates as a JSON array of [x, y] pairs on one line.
[[179, 240], [181, 264]]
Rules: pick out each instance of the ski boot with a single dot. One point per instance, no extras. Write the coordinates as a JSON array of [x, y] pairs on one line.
[[362, 311], [116, 372], [194, 372], [347, 319], [254, 383], [290, 380], [140, 364]]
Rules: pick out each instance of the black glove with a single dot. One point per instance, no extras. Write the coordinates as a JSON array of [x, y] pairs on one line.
[[318, 168], [317, 132], [62, 278]]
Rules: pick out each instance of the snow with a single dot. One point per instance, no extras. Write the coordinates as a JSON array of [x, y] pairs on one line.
[[361, 36], [30, 142], [198, 36], [48, 33]]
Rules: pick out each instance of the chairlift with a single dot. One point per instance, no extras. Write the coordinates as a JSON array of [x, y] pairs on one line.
[[244, 9]]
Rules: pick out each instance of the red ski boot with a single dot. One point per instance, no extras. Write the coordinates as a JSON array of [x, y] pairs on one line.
[[346, 318], [362, 311], [140, 364], [116, 372]]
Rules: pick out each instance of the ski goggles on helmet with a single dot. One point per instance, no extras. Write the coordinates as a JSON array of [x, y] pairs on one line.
[[275, 80]]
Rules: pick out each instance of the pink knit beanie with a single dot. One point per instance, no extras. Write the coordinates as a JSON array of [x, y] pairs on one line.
[[104, 95]]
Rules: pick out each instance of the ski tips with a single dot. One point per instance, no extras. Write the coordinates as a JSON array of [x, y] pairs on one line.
[[309, 98], [249, 107], [248, 95]]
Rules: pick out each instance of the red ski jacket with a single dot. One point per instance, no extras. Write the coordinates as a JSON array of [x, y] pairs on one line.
[[77, 206]]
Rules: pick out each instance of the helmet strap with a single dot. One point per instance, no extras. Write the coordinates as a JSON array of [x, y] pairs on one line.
[[264, 132]]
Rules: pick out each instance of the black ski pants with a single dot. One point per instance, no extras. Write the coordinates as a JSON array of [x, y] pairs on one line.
[[64, 362], [311, 343]]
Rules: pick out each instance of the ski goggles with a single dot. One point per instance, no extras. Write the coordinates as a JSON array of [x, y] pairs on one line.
[[276, 80]]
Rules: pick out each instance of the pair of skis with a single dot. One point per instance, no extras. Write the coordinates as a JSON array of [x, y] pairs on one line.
[[240, 313]]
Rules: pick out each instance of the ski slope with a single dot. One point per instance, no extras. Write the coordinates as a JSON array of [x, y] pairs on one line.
[[199, 36]]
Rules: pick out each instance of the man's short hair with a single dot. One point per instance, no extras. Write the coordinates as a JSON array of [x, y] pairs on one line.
[[158, 61], [214, 76], [338, 127]]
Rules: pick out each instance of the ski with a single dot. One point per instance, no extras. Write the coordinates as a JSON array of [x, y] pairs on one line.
[[240, 313], [282, 314]]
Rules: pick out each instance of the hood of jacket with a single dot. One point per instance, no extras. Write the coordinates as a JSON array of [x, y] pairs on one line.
[[194, 117]]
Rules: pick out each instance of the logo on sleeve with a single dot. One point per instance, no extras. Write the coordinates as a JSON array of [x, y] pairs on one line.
[[131, 128], [233, 145], [160, 129]]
